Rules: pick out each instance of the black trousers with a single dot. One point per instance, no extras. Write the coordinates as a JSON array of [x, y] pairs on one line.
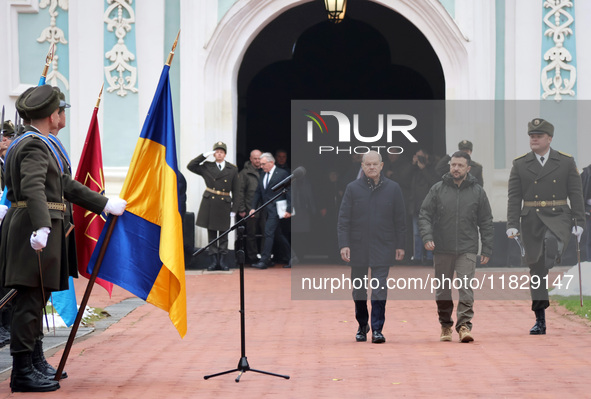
[[361, 280], [539, 277], [27, 319]]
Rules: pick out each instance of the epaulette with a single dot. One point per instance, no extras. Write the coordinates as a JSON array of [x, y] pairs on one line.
[[565, 154], [521, 156], [230, 163]]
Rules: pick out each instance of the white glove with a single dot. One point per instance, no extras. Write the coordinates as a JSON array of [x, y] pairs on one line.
[[589, 201], [511, 233], [578, 232], [206, 154], [115, 206], [232, 214], [39, 238], [3, 210]]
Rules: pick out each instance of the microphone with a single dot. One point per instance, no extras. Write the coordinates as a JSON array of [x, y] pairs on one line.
[[297, 173]]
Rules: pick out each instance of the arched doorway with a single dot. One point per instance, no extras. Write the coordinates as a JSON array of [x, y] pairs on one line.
[[374, 54]]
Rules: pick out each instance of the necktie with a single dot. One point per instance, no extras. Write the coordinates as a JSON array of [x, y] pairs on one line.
[[220, 166], [266, 180], [542, 160]]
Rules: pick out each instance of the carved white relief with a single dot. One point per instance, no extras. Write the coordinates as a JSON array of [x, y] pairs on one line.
[[120, 75], [564, 78], [54, 35]]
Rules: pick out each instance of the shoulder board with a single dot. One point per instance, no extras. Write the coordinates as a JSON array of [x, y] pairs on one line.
[[521, 156], [565, 154], [231, 164]]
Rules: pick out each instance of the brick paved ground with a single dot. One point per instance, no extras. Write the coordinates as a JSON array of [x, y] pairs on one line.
[[312, 341]]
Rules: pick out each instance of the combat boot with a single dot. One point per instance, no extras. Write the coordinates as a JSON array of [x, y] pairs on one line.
[[25, 378], [214, 262], [41, 365], [540, 327]]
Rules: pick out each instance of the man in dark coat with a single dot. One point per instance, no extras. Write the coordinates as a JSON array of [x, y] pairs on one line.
[[249, 181], [371, 232], [543, 179], [37, 187], [453, 213], [219, 202], [272, 175]]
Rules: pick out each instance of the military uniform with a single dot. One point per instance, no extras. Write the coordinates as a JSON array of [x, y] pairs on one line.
[[544, 218], [219, 198], [37, 188]]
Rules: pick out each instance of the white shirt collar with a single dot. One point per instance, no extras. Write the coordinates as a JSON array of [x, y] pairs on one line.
[[223, 164], [543, 155]]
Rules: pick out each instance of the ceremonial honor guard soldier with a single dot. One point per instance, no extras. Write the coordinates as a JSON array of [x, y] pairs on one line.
[[540, 183], [33, 256], [219, 202]]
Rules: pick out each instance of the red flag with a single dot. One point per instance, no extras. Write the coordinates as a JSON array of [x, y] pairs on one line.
[[88, 224]]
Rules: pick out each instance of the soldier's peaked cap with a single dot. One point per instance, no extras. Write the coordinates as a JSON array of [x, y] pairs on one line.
[[41, 102], [540, 126], [220, 145]]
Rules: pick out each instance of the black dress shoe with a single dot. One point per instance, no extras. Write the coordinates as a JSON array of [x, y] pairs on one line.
[[538, 329], [377, 338], [260, 265], [362, 333]]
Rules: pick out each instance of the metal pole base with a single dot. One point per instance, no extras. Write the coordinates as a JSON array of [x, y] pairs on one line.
[[242, 368]]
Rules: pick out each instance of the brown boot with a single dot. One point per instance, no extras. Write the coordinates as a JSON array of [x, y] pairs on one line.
[[465, 335], [445, 334]]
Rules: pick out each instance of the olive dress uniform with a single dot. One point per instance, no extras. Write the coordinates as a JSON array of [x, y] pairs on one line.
[[219, 199], [544, 218]]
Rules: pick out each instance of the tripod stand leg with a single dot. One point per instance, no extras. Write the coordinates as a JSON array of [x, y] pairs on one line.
[[269, 373], [217, 374]]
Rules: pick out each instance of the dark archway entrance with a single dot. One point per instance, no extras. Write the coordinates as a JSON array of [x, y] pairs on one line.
[[375, 54]]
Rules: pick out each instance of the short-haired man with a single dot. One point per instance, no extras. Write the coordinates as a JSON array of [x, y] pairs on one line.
[[371, 233], [272, 175], [442, 166], [453, 213], [249, 181], [542, 180]]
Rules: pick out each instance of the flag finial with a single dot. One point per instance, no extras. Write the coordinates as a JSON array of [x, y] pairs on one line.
[[171, 54], [48, 60], [98, 100]]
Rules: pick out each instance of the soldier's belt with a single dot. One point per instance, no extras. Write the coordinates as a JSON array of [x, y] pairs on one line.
[[544, 203], [56, 206], [211, 190]]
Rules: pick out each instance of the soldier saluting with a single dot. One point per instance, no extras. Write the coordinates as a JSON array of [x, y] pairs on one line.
[[543, 179]]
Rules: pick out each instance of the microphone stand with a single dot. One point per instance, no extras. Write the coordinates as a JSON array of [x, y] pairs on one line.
[[243, 365]]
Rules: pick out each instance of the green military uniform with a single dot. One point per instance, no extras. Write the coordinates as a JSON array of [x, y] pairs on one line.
[[37, 189], [221, 197], [537, 207]]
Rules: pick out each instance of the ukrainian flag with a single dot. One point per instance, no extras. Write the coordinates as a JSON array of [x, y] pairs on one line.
[[145, 252]]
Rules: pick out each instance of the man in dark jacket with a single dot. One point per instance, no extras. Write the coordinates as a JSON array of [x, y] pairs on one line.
[[450, 217], [371, 231], [541, 181], [586, 179], [249, 181], [219, 202]]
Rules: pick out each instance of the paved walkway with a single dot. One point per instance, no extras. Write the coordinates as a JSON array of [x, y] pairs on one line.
[[312, 341]]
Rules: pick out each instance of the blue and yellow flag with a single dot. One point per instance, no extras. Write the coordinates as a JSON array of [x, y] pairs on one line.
[[145, 252]]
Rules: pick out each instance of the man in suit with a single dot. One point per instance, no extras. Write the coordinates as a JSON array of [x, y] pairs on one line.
[[543, 179], [219, 202], [37, 188], [371, 232], [272, 175]]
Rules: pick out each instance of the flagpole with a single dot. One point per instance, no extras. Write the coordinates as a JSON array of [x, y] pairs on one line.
[[99, 261], [89, 286]]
